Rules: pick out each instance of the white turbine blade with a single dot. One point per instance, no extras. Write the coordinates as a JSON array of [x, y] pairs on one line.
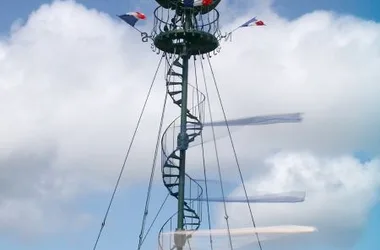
[[289, 229], [239, 123], [286, 197], [259, 120]]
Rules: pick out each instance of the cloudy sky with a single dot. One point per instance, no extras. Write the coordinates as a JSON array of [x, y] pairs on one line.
[[72, 82]]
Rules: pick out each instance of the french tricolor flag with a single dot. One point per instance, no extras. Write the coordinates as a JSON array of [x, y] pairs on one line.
[[253, 22], [196, 3], [132, 17]]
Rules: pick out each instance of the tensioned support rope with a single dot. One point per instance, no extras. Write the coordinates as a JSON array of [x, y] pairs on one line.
[[204, 161], [127, 155], [226, 217], [235, 154], [155, 218], [146, 210]]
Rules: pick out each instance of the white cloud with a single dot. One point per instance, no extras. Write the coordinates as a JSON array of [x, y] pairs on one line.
[[340, 193], [316, 65], [71, 89], [322, 65], [73, 80]]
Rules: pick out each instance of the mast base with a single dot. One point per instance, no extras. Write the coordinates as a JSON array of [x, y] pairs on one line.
[[179, 240]]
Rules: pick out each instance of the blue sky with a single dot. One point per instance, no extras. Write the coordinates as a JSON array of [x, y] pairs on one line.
[[292, 8], [120, 233]]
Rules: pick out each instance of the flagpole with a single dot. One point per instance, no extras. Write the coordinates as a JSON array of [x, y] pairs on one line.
[[141, 32], [137, 29], [235, 29]]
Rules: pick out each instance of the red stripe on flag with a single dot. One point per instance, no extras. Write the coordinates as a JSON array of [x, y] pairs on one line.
[[140, 15], [260, 23], [206, 2]]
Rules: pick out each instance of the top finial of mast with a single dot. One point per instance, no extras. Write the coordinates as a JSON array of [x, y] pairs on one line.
[[203, 6]]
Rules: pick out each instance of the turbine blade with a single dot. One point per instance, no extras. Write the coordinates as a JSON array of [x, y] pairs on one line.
[[289, 229], [260, 120], [289, 197]]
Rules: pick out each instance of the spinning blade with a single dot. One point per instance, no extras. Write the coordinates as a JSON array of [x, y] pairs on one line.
[[239, 123], [289, 229], [289, 197]]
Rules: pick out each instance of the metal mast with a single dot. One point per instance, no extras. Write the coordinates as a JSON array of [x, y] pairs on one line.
[[182, 30]]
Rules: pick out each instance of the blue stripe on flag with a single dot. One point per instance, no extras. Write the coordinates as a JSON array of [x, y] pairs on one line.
[[188, 3], [131, 20]]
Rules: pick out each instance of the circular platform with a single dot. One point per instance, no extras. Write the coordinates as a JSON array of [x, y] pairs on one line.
[[201, 32], [175, 4], [198, 42]]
